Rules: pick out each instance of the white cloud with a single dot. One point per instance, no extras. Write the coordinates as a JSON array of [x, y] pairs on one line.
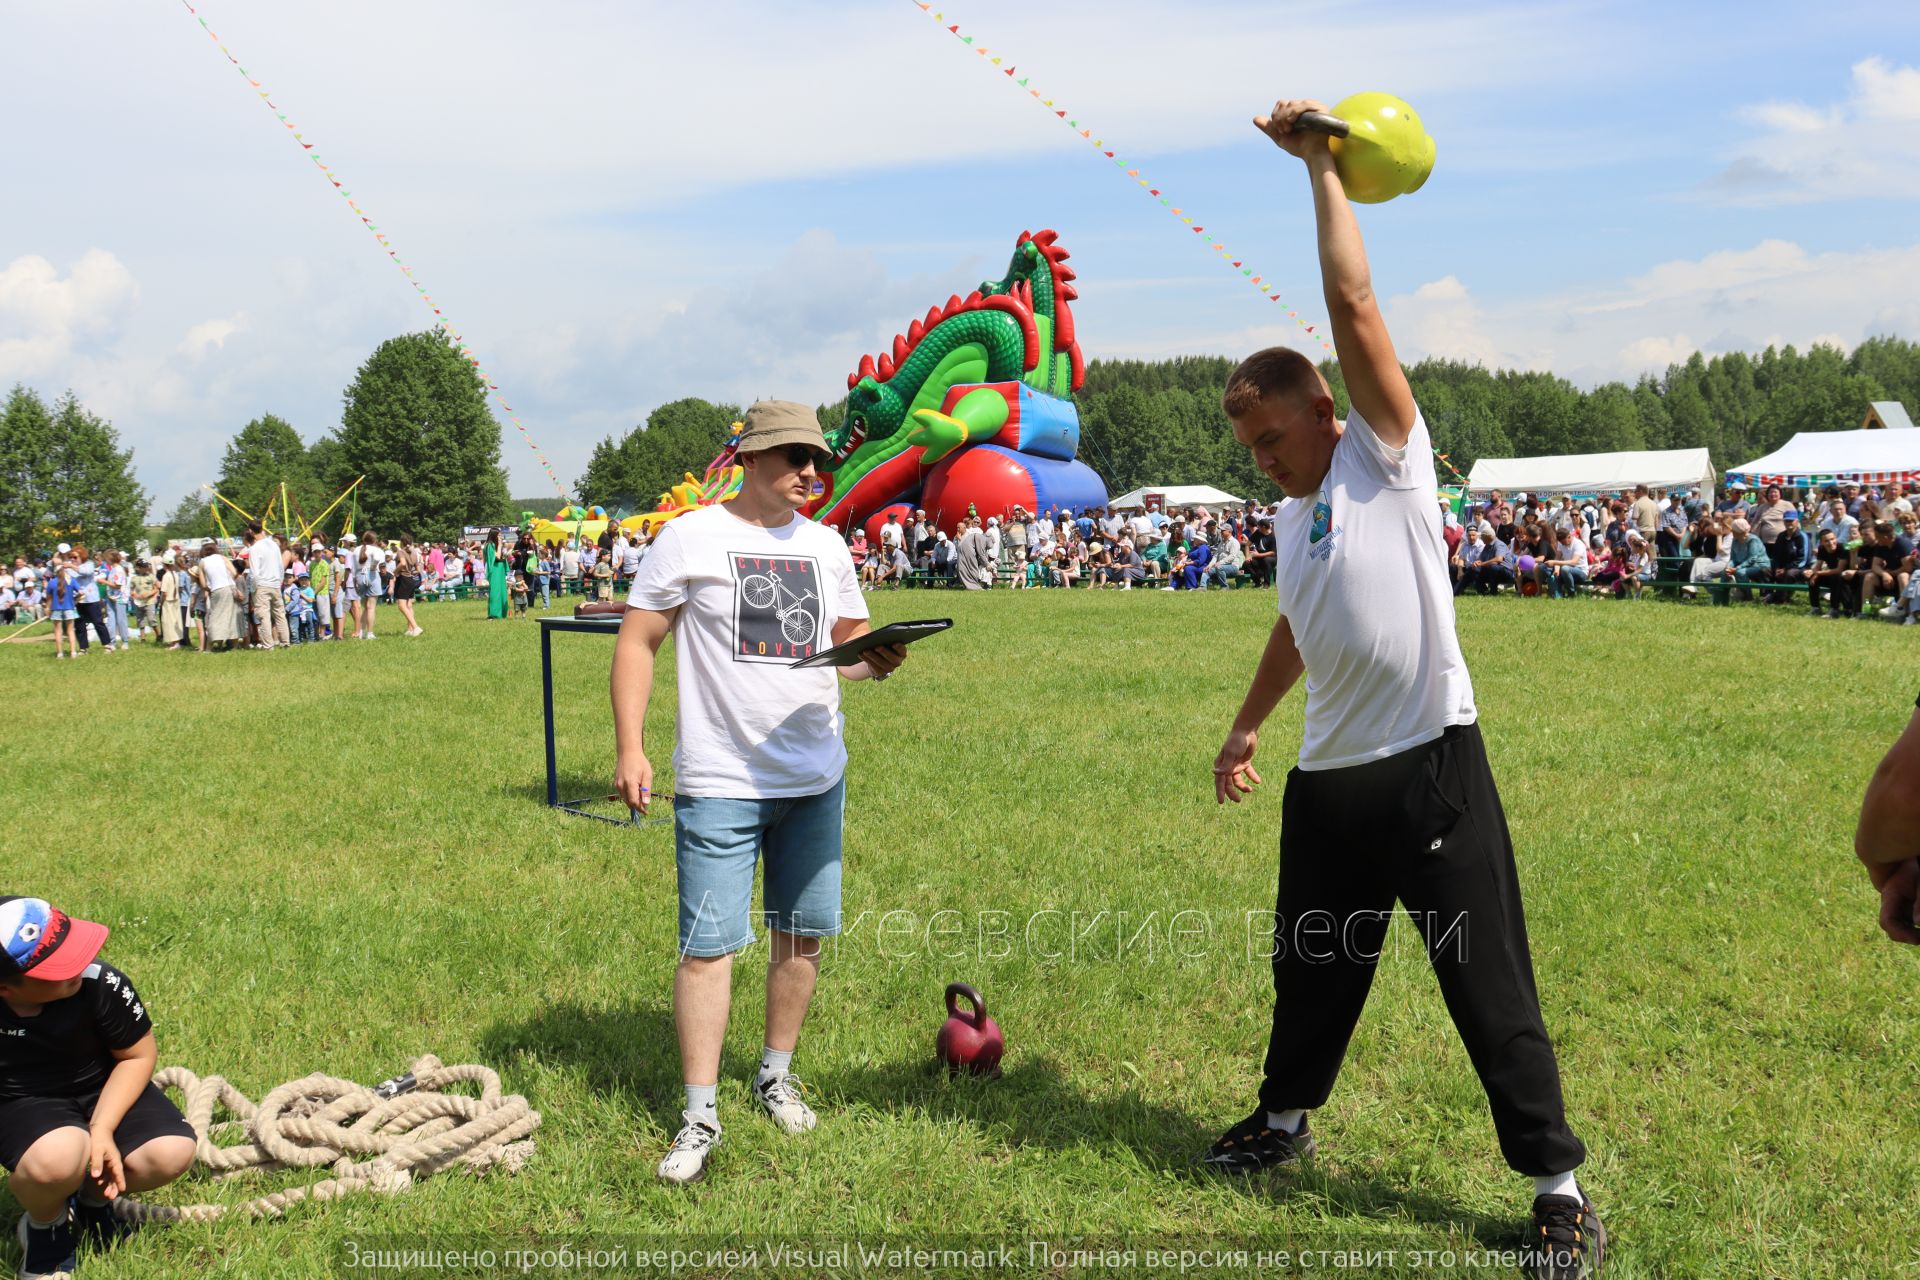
[[1771, 294], [211, 335], [43, 314], [1864, 147]]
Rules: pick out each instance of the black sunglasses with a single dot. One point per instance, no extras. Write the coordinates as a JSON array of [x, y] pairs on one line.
[[798, 456]]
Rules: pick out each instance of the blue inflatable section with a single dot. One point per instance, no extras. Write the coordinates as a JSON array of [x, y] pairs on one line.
[[1049, 426], [1059, 484]]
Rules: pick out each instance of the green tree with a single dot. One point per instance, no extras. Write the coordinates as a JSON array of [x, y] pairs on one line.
[[189, 519], [92, 497], [680, 436], [264, 454], [416, 424], [26, 473]]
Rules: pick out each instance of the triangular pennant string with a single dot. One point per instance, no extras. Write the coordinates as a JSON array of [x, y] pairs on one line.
[[1086, 132], [393, 255]]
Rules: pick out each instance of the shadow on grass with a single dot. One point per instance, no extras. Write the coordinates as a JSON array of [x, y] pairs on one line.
[[572, 787], [1032, 1104], [630, 1054]]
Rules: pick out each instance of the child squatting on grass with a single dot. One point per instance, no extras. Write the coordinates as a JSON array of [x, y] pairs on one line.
[[80, 1119]]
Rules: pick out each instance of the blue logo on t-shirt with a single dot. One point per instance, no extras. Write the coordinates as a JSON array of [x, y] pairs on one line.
[[1320, 537]]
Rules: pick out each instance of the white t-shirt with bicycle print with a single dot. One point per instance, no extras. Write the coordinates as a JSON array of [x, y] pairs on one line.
[[752, 602]]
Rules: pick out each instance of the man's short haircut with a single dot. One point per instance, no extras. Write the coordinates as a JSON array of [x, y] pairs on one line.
[[1274, 371]]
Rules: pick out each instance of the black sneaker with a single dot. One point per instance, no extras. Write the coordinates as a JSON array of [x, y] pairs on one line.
[[1253, 1145], [45, 1252], [96, 1227], [1568, 1240]]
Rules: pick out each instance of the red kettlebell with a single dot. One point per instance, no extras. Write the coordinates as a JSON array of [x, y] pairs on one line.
[[970, 1040]]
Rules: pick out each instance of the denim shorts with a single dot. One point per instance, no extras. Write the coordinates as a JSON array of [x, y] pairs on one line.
[[716, 842]]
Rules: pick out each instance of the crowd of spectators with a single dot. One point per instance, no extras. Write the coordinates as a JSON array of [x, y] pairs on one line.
[[1851, 551], [1843, 552], [270, 591], [1094, 547]]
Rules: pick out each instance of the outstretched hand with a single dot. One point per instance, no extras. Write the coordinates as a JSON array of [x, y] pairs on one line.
[[1279, 125]]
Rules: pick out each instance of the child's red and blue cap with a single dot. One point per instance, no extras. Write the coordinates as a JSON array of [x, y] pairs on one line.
[[41, 941]]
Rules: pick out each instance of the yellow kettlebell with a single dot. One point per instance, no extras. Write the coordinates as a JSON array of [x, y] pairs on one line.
[[1379, 146]]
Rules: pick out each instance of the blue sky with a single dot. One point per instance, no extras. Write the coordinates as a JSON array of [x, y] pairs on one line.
[[621, 204]]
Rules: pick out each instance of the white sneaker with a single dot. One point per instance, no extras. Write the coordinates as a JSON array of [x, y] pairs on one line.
[[780, 1095], [686, 1159], [416, 631]]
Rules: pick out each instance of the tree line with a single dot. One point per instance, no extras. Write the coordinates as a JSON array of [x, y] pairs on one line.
[[1146, 422], [416, 424]]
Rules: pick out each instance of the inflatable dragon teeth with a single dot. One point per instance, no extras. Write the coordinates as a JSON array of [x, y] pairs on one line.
[[972, 407]]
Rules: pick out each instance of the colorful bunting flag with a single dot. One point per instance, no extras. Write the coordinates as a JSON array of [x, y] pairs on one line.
[[393, 255], [1100, 143]]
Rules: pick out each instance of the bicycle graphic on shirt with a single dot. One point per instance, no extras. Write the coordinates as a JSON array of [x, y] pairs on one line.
[[769, 591]]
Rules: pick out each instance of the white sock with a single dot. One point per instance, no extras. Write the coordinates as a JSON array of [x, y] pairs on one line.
[[700, 1101], [773, 1062], [1287, 1121], [1558, 1184], [59, 1218]]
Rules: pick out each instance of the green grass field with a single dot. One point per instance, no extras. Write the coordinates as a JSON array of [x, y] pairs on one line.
[[334, 859]]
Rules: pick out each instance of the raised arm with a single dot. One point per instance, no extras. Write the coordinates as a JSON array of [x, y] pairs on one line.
[[1375, 382]]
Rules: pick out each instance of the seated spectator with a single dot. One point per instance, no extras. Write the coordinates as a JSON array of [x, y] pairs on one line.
[[1747, 561], [1611, 568], [894, 568], [1228, 558], [1258, 564], [942, 558], [1835, 572], [1129, 569], [1709, 547], [1188, 572], [1490, 568], [1155, 555], [1793, 556], [1099, 560], [1642, 568], [1567, 566], [1880, 563]]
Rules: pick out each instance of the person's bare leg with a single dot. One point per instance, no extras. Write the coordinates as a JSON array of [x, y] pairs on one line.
[[49, 1171], [702, 991], [793, 969]]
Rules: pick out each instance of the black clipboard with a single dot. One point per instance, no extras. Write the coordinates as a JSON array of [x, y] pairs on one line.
[[893, 633]]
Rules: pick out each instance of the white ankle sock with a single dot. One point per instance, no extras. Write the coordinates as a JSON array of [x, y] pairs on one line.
[[774, 1062], [1558, 1184], [60, 1218], [1286, 1120], [700, 1100]]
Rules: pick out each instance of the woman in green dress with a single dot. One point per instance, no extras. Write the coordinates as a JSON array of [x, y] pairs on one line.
[[496, 577]]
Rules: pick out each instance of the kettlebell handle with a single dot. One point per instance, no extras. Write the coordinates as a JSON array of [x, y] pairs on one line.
[[957, 989], [1322, 122]]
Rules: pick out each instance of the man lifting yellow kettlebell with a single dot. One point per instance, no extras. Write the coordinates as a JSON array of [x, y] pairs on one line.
[[1379, 145]]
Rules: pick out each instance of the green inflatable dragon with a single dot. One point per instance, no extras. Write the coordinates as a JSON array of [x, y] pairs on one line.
[[972, 408]]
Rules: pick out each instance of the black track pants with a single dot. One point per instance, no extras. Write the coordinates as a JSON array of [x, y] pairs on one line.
[[1425, 828]]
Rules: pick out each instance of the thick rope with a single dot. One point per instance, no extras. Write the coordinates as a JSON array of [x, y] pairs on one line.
[[407, 1127]]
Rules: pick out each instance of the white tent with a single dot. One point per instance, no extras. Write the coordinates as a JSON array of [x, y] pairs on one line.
[[1869, 456], [1174, 495], [1593, 472]]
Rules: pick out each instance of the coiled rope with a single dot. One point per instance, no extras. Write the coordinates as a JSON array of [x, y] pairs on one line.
[[379, 1139]]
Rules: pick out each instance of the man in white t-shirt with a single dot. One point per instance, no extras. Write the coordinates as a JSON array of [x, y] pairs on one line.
[[1393, 798], [747, 588], [266, 567]]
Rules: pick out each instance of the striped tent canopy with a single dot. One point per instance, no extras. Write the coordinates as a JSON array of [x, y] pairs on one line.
[[1814, 458]]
